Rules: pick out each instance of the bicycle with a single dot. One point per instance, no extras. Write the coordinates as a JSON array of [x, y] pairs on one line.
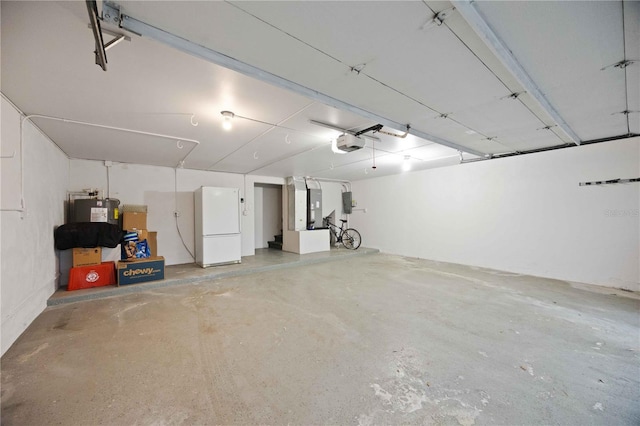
[[349, 237]]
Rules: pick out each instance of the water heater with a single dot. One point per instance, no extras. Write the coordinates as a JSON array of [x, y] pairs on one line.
[[96, 210]]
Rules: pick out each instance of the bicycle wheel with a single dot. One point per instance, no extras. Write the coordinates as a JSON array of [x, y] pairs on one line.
[[351, 239]]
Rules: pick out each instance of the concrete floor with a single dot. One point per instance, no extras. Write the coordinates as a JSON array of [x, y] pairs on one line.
[[190, 273], [374, 339]]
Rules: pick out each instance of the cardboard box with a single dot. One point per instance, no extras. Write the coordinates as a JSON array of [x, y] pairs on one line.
[[134, 220], [92, 276], [143, 234], [87, 256], [140, 270], [152, 241]]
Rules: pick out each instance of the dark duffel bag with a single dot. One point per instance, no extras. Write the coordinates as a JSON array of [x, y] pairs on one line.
[[87, 234]]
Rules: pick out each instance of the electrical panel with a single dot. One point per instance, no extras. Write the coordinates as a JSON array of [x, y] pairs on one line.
[[347, 202]]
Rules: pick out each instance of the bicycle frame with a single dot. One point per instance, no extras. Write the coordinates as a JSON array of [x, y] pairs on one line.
[[336, 230], [350, 238]]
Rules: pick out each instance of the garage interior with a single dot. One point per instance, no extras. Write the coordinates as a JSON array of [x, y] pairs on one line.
[[490, 156]]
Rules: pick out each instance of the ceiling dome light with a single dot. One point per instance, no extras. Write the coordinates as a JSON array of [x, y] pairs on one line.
[[227, 116]]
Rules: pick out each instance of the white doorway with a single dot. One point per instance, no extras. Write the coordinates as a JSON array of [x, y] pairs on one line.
[[268, 213]]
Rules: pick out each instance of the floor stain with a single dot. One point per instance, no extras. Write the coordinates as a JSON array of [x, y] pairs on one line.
[[26, 357], [407, 392]]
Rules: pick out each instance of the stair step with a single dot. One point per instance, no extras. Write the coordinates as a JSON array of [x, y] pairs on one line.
[[275, 245], [278, 238]]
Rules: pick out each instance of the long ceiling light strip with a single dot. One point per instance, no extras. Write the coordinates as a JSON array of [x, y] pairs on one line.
[[502, 52], [136, 26]]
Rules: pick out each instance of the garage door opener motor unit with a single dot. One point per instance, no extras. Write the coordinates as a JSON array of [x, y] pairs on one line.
[[348, 143]]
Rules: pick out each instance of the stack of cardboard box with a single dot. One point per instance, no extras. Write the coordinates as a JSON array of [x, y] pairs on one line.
[[133, 270], [88, 270], [87, 256]]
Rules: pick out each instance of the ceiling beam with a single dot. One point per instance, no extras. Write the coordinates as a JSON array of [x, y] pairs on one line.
[[139, 27], [473, 17]]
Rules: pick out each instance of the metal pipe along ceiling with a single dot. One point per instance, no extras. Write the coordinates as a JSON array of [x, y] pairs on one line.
[[178, 139]]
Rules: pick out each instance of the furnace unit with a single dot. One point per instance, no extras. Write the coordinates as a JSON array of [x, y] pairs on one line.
[[314, 204]]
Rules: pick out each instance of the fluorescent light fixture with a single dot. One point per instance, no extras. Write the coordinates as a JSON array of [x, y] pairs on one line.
[[227, 116]]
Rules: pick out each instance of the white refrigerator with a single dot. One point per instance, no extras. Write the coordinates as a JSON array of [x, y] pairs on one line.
[[217, 226]]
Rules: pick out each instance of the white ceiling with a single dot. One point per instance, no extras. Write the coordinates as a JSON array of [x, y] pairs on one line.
[[441, 80]]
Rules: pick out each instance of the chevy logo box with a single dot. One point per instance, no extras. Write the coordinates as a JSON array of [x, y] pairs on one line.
[[140, 270]]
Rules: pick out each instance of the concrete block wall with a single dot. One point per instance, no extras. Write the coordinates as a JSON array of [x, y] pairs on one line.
[[30, 268]]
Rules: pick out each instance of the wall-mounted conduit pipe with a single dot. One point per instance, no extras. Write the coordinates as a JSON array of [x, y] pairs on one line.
[[176, 213], [22, 209], [30, 117]]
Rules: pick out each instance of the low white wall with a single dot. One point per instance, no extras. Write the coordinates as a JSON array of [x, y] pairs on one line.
[[29, 263], [524, 214], [303, 242]]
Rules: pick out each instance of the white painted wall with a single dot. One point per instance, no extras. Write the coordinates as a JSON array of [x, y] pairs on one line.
[[29, 261], [268, 213], [522, 214], [155, 187], [332, 199], [258, 200]]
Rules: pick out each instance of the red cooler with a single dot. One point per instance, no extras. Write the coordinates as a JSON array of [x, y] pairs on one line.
[[92, 276]]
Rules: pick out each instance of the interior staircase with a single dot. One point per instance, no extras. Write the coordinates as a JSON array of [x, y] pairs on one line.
[[277, 243]]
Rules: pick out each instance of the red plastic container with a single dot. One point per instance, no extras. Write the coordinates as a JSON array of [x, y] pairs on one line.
[[92, 276]]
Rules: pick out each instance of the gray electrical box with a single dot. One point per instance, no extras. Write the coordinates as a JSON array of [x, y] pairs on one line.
[[347, 202]]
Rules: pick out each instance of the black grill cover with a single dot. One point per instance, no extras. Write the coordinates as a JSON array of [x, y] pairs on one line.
[[87, 234]]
